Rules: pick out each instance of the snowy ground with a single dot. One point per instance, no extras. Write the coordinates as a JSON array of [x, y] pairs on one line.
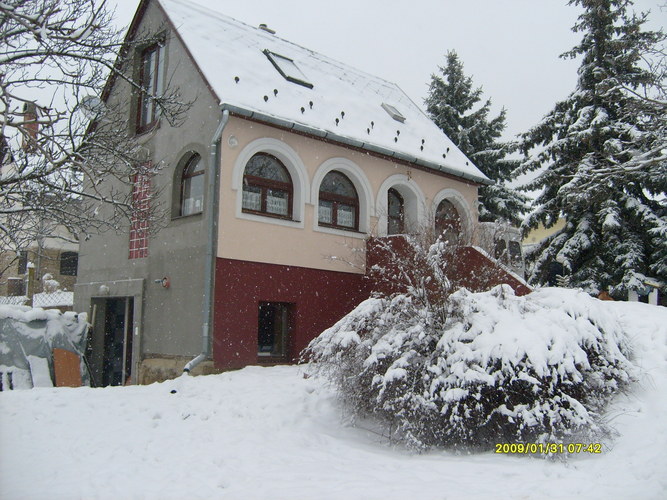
[[263, 433]]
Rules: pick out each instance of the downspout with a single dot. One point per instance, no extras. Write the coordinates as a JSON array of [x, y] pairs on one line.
[[212, 206]]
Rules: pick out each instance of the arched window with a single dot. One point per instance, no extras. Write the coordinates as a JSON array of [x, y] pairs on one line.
[[339, 202], [192, 186], [448, 222], [395, 212], [267, 187]]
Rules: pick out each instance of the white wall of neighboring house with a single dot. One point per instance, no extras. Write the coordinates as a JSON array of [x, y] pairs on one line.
[[44, 253]]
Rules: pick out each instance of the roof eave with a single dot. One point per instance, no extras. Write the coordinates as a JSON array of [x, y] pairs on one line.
[[299, 127]]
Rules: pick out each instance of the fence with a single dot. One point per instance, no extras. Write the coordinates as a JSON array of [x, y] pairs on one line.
[[13, 300], [58, 299]]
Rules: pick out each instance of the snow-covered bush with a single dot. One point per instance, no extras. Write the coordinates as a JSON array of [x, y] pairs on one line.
[[49, 284], [496, 368]]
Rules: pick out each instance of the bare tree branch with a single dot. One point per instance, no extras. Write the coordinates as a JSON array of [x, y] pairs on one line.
[[58, 142]]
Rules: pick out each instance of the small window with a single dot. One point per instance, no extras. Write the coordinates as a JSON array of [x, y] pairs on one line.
[[192, 186], [151, 65], [273, 329], [514, 250], [395, 212], [339, 203], [500, 250], [393, 112], [288, 69], [267, 187], [69, 262], [448, 222]]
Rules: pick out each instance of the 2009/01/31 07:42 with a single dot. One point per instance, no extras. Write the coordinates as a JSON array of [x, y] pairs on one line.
[[548, 448]]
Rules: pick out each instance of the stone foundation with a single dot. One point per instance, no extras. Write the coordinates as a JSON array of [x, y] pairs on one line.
[[159, 369]]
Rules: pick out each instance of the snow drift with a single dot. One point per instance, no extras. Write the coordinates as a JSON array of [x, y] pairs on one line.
[[262, 433]]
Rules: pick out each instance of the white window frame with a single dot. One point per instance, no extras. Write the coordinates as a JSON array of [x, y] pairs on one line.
[[465, 212], [364, 193], [294, 165], [413, 198]]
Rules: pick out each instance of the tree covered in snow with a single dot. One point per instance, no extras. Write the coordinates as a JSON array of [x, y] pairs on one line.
[[59, 142], [601, 155], [454, 105], [495, 368]]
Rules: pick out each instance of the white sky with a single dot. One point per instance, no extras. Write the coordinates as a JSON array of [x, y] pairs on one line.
[[509, 47]]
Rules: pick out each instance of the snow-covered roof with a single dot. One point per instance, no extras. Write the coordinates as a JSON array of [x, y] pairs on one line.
[[313, 93]]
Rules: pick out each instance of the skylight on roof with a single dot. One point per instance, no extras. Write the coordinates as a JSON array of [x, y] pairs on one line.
[[288, 69], [393, 112]]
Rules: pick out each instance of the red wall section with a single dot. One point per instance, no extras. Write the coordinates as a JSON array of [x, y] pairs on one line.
[[467, 266], [321, 298], [480, 273]]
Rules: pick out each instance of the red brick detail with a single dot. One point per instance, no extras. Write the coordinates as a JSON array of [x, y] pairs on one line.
[[319, 298], [141, 187]]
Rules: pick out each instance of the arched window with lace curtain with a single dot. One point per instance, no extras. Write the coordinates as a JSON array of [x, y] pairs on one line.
[[267, 187], [338, 202]]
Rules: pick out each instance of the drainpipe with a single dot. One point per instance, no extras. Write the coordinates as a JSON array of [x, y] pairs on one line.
[[213, 203]]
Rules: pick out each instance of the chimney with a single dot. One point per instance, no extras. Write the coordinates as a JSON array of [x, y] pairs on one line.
[[267, 29], [30, 126]]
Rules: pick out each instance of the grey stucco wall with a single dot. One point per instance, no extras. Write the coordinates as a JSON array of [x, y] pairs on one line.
[[171, 317]]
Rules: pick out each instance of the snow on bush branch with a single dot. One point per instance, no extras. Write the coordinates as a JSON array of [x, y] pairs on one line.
[[499, 368]]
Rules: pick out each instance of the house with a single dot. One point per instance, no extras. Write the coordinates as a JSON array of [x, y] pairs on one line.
[[54, 261], [33, 240], [287, 162], [653, 292]]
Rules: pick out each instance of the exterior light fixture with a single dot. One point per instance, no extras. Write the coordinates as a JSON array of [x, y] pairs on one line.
[[165, 282]]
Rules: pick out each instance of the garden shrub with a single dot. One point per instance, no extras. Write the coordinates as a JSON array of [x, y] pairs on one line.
[[495, 368]]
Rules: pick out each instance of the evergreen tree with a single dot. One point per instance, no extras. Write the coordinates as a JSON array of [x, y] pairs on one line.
[[452, 104], [604, 164]]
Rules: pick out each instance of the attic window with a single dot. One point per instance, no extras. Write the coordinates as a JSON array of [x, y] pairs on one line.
[[288, 69], [393, 112]]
